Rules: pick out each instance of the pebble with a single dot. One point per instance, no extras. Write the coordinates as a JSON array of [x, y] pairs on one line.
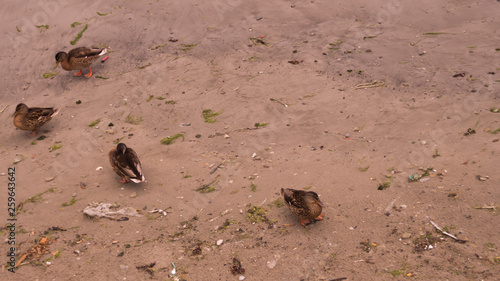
[[133, 195], [2, 174], [406, 235], [271, 264], [110, 131], [49, 179], [219, 242], [241, 278]]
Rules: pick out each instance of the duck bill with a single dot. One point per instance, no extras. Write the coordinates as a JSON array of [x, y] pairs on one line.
[[55, 66]]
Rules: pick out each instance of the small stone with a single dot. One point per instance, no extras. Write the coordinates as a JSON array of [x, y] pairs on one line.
[[73, 195], [219, 242], [271, 264], [110, 131], [241, 278], [133, 195], [49, 179], [226, 136], [2, 174], [406, 235], [99, 168]]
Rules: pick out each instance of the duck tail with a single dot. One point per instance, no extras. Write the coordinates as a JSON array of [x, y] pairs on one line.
[[103, 51]]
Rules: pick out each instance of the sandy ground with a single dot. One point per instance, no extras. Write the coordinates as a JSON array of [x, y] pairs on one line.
[[302, 74]]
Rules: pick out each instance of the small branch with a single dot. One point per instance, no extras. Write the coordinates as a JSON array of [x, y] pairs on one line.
[[486, 207], [217, 167], [446, 233], [370, 85], [1, 111]]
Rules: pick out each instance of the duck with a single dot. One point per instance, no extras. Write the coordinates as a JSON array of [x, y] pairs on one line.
[[30, 119], [79, 58], [304, 204], [126, 164]]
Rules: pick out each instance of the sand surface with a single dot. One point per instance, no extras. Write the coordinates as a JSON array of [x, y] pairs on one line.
[[349, 95]]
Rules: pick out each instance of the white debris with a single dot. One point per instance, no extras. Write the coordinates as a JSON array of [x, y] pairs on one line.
[[104, 210]]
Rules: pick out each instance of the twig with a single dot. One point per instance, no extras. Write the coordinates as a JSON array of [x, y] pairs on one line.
[[446, 233], [373, 84], [1, 111], [486, 207], [217, 167], [220, 215], [263, 202], [280, 102]]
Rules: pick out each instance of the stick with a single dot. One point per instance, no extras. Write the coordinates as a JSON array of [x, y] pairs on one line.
[[21, 260], [217, 167], [370, 85], [1, 111], [486, 207], [446, 233]]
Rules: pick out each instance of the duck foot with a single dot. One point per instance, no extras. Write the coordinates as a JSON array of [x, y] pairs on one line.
[[305, 222], [88, 74], [124, 180], [320, 217], [33, 134], [78, 73]]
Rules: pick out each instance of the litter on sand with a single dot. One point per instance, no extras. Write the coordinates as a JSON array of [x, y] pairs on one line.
[[108, 210]]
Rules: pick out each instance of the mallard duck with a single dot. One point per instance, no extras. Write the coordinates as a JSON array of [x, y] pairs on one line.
[[79, 58], [305, 204], [126, 164], [30, 119]]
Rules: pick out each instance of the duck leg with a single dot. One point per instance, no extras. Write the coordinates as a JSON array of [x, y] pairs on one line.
[[304, 222], [33, 133], [78, 73], [124, 180], [320, 217], [88, 74]]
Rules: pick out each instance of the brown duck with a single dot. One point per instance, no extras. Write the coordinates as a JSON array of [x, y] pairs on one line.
[[126, 164], [79, 58], [30, 119], [304, 204]]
